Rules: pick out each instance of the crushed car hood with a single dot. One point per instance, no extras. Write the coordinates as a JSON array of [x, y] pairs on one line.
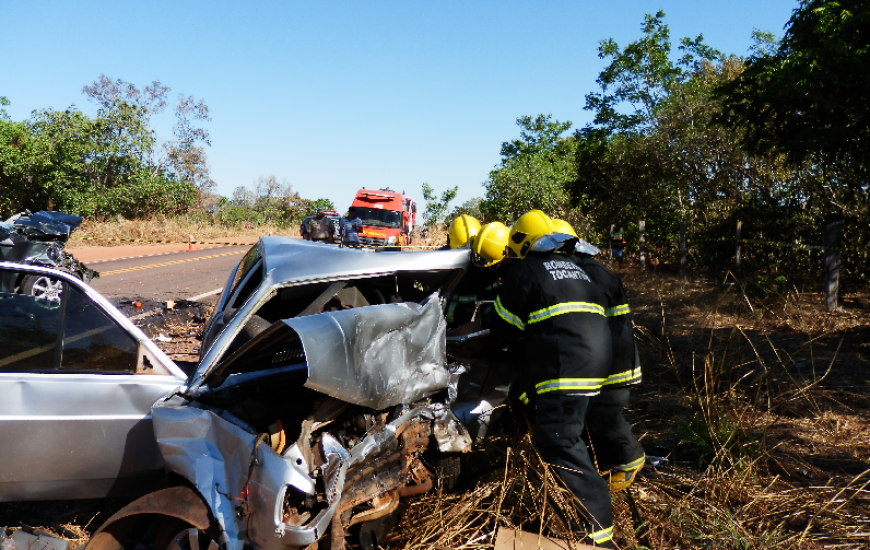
[[55, 224], [376, 356]]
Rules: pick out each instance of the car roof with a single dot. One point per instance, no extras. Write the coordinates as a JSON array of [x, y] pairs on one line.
[[287, 259]]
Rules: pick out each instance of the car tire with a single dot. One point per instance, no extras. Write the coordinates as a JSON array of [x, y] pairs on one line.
[[42, 286], [176, 534]]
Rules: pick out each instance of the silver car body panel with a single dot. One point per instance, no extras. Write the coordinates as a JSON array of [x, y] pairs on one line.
[[291, 262], [78, 435], [67, 435]]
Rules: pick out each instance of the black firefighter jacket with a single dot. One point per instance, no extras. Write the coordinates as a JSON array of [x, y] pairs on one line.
[[554, 307], [625, 368]]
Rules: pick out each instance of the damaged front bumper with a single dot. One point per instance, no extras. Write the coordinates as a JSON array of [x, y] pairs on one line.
[[251, 489]]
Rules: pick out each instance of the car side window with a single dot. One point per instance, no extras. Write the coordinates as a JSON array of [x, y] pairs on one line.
[[65, 333], [92, 342], [28, 333]]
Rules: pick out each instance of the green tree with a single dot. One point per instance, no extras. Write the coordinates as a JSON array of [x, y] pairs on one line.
[[322, 204], [437, 208], [533, 173], [268, 201], [89, 166], [471, 207], [639, 77], [810, 95], [538, 135], [183, 157], [669, 160], [526, 182], [808, 98]]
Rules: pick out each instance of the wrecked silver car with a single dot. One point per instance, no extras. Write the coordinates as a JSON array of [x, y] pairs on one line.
[[323, 380]]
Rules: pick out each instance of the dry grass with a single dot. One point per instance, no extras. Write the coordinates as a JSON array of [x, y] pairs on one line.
[[73, 521], [168, 229], [178, 229], [758, 397], [519, 490]]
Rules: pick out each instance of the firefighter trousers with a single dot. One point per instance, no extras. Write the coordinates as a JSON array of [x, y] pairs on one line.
[[558, 437], [609, 433]]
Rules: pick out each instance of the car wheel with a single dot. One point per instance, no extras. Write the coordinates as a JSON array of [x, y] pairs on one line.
[[42, 286]]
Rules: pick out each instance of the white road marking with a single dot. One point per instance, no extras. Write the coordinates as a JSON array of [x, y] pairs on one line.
[[204, 295], [143, 315]]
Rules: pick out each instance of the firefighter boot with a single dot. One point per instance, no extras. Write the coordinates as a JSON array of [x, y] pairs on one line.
[[622, 476]]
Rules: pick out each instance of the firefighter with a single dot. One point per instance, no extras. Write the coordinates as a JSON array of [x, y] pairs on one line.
[[615, 447], [553, 305], [479, 282]]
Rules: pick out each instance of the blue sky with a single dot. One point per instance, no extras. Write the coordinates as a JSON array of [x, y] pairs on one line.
[[337, 95]]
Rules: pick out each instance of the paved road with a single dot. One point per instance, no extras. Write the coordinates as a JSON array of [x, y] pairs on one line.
[[177, 276]]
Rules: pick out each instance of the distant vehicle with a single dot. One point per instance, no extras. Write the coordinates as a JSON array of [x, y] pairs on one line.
[[383, 216]]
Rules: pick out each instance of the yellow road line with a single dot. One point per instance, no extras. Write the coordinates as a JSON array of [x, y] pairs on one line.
[[127, 270]]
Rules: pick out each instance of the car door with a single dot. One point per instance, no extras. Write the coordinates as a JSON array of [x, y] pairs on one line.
[[77, 382]]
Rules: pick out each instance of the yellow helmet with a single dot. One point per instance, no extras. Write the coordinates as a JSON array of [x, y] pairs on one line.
[[561, 226], [490, 245], [526, 230], [462, 231]]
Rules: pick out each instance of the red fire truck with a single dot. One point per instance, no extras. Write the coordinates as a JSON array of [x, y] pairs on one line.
[[387, 217]]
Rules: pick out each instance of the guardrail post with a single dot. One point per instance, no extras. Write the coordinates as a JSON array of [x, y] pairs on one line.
[[610, 241], [683, 250], [833, 236], [737, 231], [641, 225]]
